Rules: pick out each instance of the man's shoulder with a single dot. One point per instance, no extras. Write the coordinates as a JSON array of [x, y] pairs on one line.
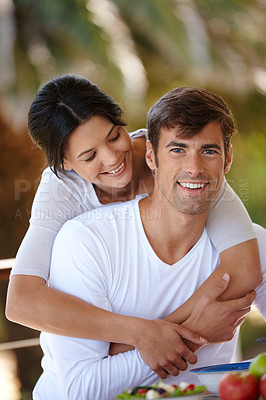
[[97, 229]]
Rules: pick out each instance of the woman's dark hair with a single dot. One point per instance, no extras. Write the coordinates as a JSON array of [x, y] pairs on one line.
[[61, 106], [189, 110]]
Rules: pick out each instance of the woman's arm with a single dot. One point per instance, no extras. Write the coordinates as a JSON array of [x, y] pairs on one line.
[[32, 303]]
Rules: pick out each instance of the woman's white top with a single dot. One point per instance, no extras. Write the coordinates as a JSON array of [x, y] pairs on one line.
[[58, 200]]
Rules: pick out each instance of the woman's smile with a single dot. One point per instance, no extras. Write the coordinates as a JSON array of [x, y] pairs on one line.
[[115, 171]]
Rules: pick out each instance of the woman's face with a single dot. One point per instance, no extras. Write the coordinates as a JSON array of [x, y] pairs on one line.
[[100, 152]]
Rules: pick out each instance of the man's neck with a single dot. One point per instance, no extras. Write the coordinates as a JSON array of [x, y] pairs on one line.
[[170, 233]]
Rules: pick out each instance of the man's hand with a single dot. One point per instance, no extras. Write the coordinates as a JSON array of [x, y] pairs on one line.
[[161, 346], [163, 349], [218, 320]]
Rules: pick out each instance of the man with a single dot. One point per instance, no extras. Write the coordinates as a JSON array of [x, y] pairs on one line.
[[144, 258]]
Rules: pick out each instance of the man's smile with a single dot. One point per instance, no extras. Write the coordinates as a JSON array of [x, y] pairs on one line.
[[190, 185]]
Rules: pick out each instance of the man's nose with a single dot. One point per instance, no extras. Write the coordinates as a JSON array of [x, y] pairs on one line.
[[194, 164]]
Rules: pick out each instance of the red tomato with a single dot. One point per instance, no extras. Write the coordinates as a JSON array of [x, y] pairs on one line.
[[189, 387], [238, 386], [141, 391], [263, 386]]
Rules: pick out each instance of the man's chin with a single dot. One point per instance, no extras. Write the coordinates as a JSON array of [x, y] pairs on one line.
[[194, 209]]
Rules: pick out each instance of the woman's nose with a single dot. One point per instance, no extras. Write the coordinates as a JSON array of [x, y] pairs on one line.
[[110, 156]]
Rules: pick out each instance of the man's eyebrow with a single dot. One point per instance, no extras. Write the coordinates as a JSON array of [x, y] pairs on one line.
[[177, 144], [211, 146], [87, 151], [185, 146]]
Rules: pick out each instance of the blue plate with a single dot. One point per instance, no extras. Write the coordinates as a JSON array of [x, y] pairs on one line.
[[223, 367]]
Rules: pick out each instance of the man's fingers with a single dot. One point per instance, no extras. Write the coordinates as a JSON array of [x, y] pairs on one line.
[[251, 296], [247, 300], [240, 321], [161, 373], [243, 302], [193, 337], [220, 286], [174, 369], [191, 357], [243, 313]]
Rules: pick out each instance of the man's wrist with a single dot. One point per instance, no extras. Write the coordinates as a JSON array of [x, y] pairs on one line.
[[189, 324], [136, 331]]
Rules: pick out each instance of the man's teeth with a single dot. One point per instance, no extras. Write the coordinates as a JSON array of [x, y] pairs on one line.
[[192, 185], [114, 171]]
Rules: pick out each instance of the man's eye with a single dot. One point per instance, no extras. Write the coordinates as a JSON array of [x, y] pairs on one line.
[[209, 151], [177, 150], [91, 158]]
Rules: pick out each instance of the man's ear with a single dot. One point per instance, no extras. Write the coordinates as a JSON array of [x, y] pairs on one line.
[[150, 156], [229, 159]]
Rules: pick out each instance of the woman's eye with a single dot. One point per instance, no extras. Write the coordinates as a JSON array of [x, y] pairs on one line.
[[116, 137], [91, 158]]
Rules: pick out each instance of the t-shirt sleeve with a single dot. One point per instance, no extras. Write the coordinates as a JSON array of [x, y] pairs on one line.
[[139, 133], [81, 267], [84, 369], [55, 202], [228, 222]]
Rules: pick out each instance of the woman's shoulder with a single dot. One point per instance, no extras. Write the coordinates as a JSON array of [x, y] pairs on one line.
[[67, 179], [66, 185]]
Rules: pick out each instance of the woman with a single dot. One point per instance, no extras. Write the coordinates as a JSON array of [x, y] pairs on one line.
[[93, 162]]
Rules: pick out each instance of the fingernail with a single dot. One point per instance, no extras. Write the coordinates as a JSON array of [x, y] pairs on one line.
[[202, 339], [226, 277]]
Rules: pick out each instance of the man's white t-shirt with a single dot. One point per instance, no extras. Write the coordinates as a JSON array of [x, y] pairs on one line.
[[104, 257]]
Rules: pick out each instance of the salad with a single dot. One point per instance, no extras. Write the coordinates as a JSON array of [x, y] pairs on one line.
[[161, 390]]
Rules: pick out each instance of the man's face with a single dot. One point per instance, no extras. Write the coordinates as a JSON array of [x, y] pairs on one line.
[[189, 172]]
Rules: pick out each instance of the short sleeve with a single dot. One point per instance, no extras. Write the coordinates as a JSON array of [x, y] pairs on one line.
[[228, 222]]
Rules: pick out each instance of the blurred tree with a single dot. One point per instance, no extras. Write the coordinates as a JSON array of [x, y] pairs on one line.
[[132, 48], [20, 167]]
